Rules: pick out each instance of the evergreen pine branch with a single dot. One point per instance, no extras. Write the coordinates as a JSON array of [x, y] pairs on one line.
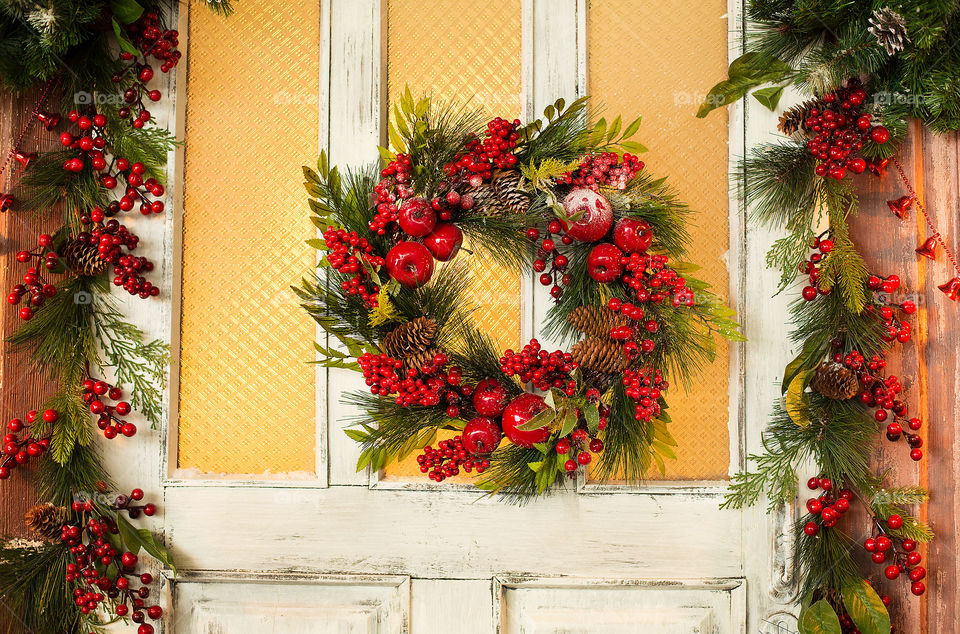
[[564, 137], [82, 472], [824, 563], [627, 451], [32, 589], [511, 476], [139, 365], [148, 145], [48, 186], [500, 236]]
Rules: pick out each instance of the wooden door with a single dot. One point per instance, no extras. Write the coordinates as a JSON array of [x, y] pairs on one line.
[[320, 547]]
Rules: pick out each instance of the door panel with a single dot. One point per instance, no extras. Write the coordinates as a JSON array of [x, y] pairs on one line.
[[380, 553]]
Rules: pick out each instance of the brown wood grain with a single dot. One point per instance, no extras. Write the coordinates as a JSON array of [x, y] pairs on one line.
[[21, 388], [927, 365]]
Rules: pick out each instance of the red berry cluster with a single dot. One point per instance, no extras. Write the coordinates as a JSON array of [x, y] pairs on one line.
[[557, 277], [645, 386], [18, 451], [544, 369], [99, 572], [882, 547], [393, 188], [841, 128], [495, 150], [110, 239], [152, 40], [427, 386], [653, 281], [380, 373], [33, 282], [606, 169], [882, 391], [577, 444], [629, 333], [444, 206], [346, 253], [826, 507], [821, 246], [445, 461], [94, 394]]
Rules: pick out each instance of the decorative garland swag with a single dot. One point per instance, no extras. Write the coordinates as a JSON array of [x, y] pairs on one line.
[[569, 200]]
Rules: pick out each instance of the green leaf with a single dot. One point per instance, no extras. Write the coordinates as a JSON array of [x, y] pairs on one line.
[[745, 73], [535, 466], [865, 608], [818, 618], [126, 11], [598, 134], [664, 449], [614, 129], [569, 421], [769, 96], [541, 419], [591, 414], [135, 539], [395, 140], [634, 147], [125, 44], [549, 111], [632, 128], [808, 358], [796, 402]]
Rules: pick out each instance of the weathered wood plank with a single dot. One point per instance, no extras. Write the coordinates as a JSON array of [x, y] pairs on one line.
[[941, 192]]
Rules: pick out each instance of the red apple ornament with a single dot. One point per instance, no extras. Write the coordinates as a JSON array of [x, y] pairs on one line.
[[519, 411], [595, 215], [444, 241], [410, 263], [490, 397], [632, 236], [481, 435], [417, 217], [603, 263]]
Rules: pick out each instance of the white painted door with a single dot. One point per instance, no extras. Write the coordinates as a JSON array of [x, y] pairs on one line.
[[352, 552]]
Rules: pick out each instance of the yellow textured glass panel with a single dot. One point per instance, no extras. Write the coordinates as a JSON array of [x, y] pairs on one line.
[[460, 50], [634, 70], [252, 120]]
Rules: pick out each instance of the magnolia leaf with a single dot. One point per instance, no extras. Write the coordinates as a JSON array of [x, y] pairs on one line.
[[126, 11], [542, 418], [806, 360], [591, 414], [796, 401], [818, 618], [865, 608], [125, 44], [769, 96], [569, 421], [135, 539], [745, 73]]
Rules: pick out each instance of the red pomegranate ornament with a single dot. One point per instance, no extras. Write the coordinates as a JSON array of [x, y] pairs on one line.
[[410, 263], [593, 212], [481, 436], [519, 411]]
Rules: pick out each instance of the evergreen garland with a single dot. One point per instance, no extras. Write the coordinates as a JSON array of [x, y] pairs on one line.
[[94, 58], [504, 189], [880, 63]]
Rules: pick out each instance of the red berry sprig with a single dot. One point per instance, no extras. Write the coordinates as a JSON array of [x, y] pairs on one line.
[[108, 416], [493, 151], [826, 508], [580, 446], [152, 40], [34, 284], [446, 460], [841, 128], [18, 451], [110, 239], [544, 369], [645, 385], [99, 572], [347, 253], [605, 168], [393, 188], [556, 277], [653, 281], [883, 548]]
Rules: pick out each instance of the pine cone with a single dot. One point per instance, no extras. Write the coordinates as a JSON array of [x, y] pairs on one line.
[[595, 321], [46, 520], [890, 29], [82, 258], [412, 337], [508, 185], [484, 199], [417, 360], [599, 380], [796, 118], [835, 380], [600, 355]]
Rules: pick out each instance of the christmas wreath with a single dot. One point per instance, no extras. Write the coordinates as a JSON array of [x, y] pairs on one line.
[[864, 69], [565, 198]]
